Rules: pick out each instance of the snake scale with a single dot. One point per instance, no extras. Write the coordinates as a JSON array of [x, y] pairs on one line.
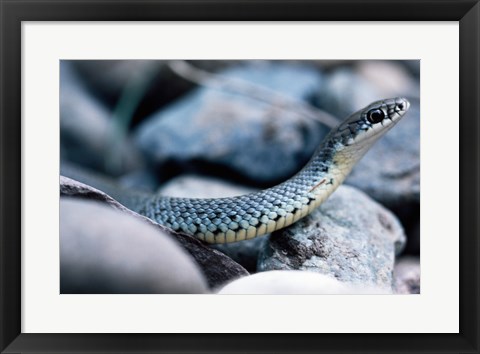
[[221, 220]]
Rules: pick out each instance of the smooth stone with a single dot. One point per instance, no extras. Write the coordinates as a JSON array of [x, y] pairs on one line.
[[406, 275], [105, 251], [86, 128], [399, 83], [78, 181], [233, 136], [70, 187], [197, 186], [350, 237], [291, 282], [345, 92], [216, 266], [348, 88]]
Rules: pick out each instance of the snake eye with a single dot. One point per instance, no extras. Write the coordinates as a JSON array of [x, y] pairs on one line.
[[375, 116]]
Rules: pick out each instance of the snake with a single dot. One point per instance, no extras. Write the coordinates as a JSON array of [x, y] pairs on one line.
[[233, 219]]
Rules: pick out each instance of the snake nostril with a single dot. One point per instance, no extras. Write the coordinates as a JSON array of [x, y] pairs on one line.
[[401, 106]]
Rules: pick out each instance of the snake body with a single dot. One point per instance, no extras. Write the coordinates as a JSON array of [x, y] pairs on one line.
[[221, 220]]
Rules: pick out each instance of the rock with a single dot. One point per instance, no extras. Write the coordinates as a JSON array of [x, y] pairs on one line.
[[349, 88], [77, 181], [104, 251], [233, 136], [350, 237], [195, 186], [290, 282], [216, 267], [345, 92], [406, 276], [87, 131], [390, 78], [246, 252], [72, 188]]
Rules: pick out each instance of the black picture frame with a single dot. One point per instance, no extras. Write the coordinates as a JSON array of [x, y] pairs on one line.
[[467, 12]]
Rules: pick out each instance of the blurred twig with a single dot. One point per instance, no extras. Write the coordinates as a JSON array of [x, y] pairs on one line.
[[249, 89]]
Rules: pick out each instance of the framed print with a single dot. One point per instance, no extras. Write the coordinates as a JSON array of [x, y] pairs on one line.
[[196, 144]]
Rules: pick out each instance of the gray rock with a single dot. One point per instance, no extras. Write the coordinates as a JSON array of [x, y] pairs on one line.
[[72, 188], [196, 186], [234, 136], [350, 237], [389, 77], [246, 252], [289, 282], [345, 92], [105, 251], [216, 267], [77, 181], [406, 275], [349, 88], [87, 130]]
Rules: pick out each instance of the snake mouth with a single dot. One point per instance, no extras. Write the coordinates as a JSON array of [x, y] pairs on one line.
[[398, 108]]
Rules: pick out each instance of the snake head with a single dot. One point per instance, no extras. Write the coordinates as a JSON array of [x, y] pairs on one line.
[[364, 127]]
